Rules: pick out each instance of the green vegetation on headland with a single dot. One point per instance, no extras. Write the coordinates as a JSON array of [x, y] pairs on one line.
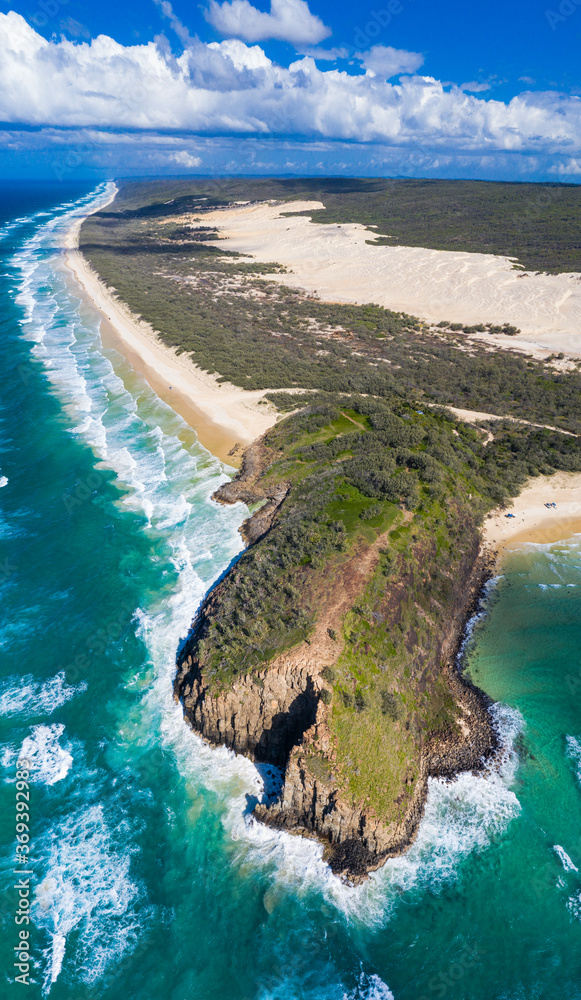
[[259, 334], [351, 463], [359, 470]]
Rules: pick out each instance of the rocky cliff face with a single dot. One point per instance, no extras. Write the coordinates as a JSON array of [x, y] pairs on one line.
[[356, 840], [280, 714], [245, 487], [264, 715]]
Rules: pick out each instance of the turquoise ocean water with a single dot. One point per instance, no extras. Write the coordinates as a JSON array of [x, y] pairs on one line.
[[150, 879]]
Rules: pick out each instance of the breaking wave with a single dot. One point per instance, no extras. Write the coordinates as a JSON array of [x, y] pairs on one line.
[[27, 697]]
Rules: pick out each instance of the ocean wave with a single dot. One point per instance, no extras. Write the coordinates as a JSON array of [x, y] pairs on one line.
[[3, 481], [564, 859], [574, 753], [574, 905], [478, 617], [85, 888], [28, 697], [49, 761], [140, 444], [369, 988]]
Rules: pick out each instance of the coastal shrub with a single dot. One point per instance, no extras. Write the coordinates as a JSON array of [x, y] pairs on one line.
[[390, 705]]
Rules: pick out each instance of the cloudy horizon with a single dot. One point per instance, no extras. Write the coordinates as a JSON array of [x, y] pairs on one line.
[[280, 89]]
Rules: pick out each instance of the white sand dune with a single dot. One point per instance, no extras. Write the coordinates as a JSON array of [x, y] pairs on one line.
[[338, 263]]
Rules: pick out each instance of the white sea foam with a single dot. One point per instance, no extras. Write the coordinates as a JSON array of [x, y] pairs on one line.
[[137, 447], [574, 905], [574, 752], [29, 697], [369, 988], [49, 761], [3, 481], [565, 859], [85, 888], [478, 617]]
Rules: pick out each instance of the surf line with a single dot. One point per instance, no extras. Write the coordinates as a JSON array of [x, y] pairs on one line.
[[22, 915]]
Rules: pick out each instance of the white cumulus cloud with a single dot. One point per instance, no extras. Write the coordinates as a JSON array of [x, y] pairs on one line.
[[231, 88], [385, 61], [288, 21], [185, 159]]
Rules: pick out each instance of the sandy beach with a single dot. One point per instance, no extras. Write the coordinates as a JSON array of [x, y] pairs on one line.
[[338, 263], [225, 418], [532, 521]]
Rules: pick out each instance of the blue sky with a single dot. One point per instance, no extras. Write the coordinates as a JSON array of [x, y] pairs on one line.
[[394, 87]]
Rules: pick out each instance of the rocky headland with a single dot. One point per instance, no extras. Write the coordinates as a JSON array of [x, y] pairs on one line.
[[281, 711]]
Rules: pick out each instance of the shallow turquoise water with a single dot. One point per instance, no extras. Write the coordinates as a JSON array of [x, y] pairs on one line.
[[150, 877]]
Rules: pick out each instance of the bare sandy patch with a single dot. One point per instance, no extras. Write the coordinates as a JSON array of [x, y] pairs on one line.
[[476, 416], [338, 264]]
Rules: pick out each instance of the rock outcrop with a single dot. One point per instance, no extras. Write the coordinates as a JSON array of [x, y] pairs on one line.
[[245, 487]]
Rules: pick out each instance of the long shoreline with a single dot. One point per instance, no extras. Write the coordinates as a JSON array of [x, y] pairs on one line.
[[225, 418]]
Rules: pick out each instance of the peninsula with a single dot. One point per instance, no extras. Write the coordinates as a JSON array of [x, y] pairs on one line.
[[373, 446]]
